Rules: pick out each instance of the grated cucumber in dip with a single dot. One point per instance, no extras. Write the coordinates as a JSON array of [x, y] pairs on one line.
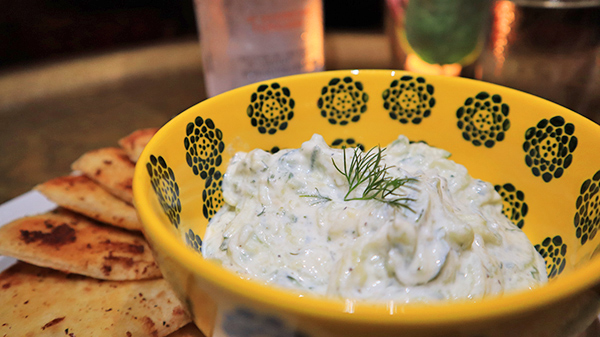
[[421, 230]]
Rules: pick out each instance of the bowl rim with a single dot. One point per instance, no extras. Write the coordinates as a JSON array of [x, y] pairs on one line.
[[381, 313]]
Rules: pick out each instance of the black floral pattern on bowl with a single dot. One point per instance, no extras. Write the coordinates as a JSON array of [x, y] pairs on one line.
[[273, 150], [587, 217], [203, 144], [271, 108], [554, 252], [212, 196], [549, 147], [483, 119], [193, 241], [204, 147], [343, 101], [514, 206], [409, 99], [165, 188], [340, 143]]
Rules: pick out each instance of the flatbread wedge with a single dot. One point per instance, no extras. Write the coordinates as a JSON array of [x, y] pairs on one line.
[[73, 243], [39, 301], [134, 143], [83, 195], [111, 168]]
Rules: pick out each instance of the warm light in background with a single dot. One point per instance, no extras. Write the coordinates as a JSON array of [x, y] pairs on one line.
[[415, 63], [504, 18], [313, 37]]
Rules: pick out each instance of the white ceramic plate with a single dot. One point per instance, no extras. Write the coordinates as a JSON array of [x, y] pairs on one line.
[[30, 203]]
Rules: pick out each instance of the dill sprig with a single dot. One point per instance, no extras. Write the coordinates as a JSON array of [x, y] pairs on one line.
[[366, 168], [318, 196]]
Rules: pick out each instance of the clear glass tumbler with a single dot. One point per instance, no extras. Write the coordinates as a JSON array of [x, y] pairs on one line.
[[245, 41]]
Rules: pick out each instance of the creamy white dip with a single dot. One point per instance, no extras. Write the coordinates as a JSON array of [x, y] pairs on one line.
[[286, 222]]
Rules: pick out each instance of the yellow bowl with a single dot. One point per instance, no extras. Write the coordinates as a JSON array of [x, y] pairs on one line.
[[542, 158]]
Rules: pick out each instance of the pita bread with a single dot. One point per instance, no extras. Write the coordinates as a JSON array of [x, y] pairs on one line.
[[43, 302], [82, 195], [72, 243], [134, 143], [111, 168], [189, 330]]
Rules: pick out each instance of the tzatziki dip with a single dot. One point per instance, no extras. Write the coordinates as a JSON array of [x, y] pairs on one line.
[[401, 223]]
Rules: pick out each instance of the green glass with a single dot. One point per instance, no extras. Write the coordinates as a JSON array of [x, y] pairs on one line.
[[445, 31]]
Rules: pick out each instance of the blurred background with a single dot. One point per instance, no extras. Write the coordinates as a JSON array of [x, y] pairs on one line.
[[41, 30], [76, 75]]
